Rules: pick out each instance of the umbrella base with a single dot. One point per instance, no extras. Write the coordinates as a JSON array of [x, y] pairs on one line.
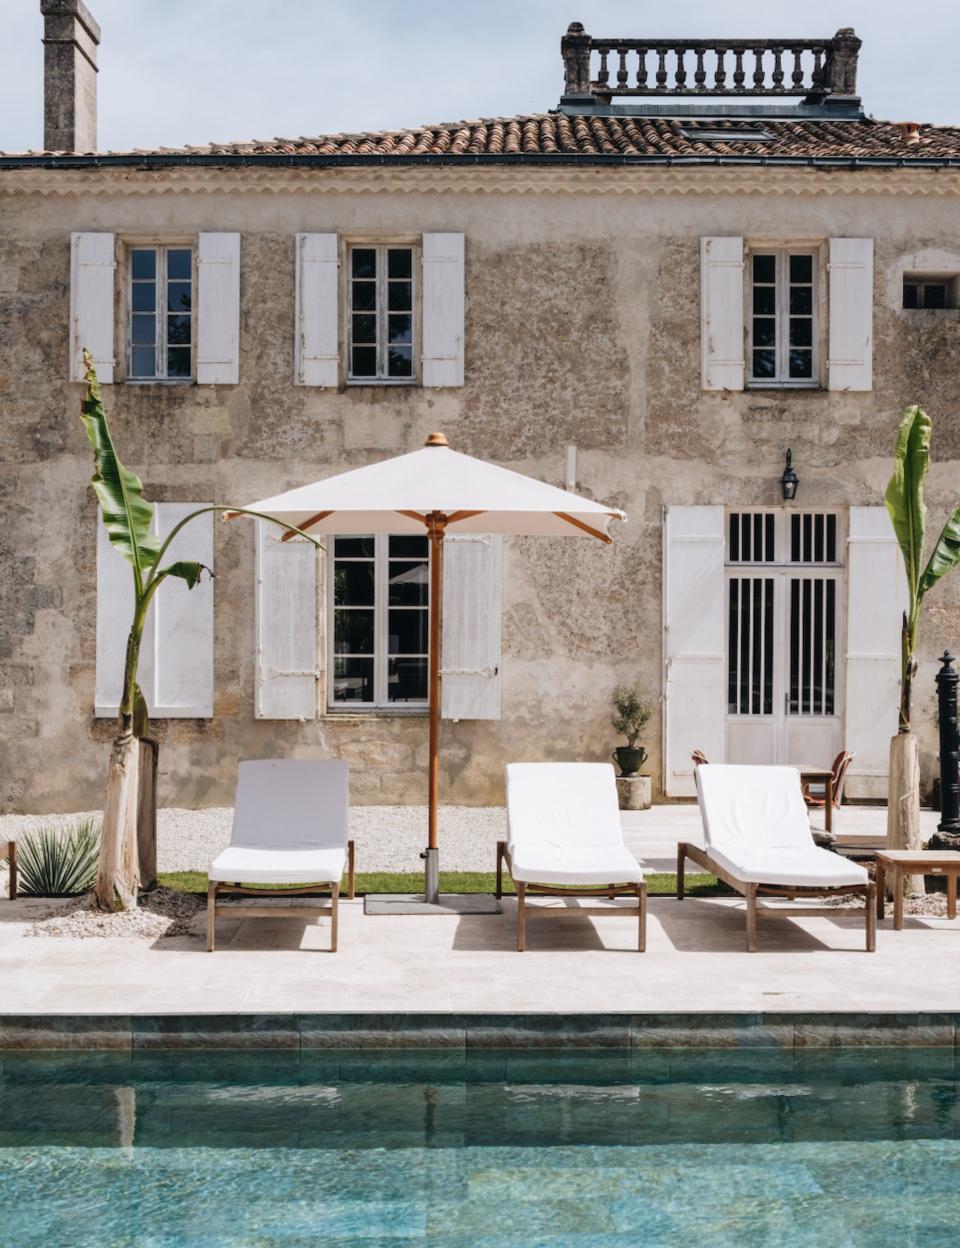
[[446, 903]]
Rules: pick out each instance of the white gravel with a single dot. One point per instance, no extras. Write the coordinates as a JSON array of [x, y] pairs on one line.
[[388, 838]]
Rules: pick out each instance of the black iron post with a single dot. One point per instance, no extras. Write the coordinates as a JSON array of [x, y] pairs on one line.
[[947, 680]]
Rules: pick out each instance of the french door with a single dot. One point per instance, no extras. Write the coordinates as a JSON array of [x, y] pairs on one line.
[[784, 618]]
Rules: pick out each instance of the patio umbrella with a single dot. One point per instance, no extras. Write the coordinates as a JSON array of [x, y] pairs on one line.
[[435, 491]]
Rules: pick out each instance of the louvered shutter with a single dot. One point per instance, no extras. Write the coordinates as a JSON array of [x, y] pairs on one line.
[[176, 652], [317, 341], [850, 365], [92, 268], [443, 309], [721, 313], [218, 309], [286, 626], [183, 622], [694, 703], [472, 608], [876, 597]]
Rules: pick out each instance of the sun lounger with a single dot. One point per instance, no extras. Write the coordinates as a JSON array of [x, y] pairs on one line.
[[564, 840], [758, 841], [289, 828]]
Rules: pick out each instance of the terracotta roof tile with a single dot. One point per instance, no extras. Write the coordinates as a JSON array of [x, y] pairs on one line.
[[636, 137]]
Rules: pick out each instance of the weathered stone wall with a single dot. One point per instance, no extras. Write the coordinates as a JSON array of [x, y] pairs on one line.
[[582, 327]]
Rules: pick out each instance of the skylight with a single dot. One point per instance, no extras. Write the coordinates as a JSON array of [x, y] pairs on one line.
[[706, 135]]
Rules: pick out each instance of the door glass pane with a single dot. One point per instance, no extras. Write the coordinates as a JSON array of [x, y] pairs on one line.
[[353, 584], [813, 632], [407, 632], [352, 680], [407, 680], [409, 583], [352, 631], [750, 646]]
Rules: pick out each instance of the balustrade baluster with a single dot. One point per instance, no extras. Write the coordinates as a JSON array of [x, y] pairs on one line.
[[700, 74], [604, 76], [777, 69], [797, 74], [622, 69], [662, 67], [738, 74], [642, 69], [719, 75], [680, 74], [758, 71], [816, 78]]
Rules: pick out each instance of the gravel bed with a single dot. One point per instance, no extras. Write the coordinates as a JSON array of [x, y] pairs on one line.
[[388, 838], [161, 913]]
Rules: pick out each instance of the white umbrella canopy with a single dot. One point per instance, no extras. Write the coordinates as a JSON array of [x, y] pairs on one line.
[[434, 491]]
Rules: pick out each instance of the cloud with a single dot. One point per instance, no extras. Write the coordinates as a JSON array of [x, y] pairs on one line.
[[188, 71]]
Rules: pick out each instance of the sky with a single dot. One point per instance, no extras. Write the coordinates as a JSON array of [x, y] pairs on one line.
[[174, 72]]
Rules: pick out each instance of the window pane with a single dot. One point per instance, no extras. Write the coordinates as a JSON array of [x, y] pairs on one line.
[[407, 680], [411, 547], [399, 262], [353, 547], [400, 296], [143, 262], [352, 680], [801, 300], [179, 263], [801, 364], [364, 296], [353, 584], [400, 327], [764, 268], [364, 362], [178, 296], [144, 362], [363, 262], [801, 332], [178, 331], [801, 268], [144, 296], [400, 362], [144, 330], [178, 362], [365, 328], [934, 295], [352, 631], [409, 584], [764, 363], [408, 632], [764, 331], [910, 290], [764, 300]]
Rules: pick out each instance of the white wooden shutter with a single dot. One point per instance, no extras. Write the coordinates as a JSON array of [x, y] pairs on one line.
[[721, 313], [317, 339], [443, 309], [850, 364], [876, 597], [92, 266], [176, 652], [286, 626], [694, 701], [472, 609], [218, 309]]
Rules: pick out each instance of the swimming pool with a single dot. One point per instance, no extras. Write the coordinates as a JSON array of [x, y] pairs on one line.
[[559, 1150]]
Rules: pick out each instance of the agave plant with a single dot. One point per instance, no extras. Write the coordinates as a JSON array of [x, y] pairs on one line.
[[904, 500], [128, 517], [59, 864]]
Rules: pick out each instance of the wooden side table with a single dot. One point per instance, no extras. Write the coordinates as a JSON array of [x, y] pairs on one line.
[[900, 862]]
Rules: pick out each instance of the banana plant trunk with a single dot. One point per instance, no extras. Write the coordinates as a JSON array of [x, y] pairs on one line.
[[118, 875], [903, 802]]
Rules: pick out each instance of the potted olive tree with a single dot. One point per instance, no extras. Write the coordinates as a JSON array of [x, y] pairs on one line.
[[630, 716]]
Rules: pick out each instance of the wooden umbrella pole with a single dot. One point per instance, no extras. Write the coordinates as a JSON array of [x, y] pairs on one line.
[[436, 524]]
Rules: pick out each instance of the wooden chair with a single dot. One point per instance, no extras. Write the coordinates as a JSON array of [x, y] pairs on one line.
[[840, 765], [699, 758]]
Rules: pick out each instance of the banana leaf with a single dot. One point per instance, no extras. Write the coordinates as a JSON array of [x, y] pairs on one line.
[[904, 496], [946, 554], [126, 513]]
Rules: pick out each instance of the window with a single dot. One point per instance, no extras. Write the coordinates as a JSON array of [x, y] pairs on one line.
[[380, 599], [783, 318], [161, 314], [381, 308], [930, 291]]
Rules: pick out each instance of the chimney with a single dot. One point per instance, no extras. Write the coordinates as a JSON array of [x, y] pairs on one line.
[[70, 37]]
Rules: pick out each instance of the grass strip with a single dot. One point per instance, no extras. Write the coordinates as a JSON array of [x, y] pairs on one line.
[[659, 884]]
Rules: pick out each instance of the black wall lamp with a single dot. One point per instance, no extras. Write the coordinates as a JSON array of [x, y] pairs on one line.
[[789, 481]]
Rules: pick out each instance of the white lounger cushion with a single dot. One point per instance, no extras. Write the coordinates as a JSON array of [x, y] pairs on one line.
[[290, 823], [755, 825], [279, 866], [563, 825]]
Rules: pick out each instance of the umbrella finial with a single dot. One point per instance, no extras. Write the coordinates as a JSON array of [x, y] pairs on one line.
[[436, 439]]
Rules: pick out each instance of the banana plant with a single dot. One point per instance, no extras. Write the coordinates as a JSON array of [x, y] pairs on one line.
[[128, 518], [904, 500]]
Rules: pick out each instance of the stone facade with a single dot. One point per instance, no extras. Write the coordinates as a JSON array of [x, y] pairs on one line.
[[582, 327]]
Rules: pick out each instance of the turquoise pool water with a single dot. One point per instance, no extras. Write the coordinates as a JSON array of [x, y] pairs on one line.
[[566, 1150]]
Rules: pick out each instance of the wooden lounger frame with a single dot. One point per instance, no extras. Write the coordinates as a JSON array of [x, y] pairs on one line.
[[8, 850], [216, 889], [752, 891], [525, 889]]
